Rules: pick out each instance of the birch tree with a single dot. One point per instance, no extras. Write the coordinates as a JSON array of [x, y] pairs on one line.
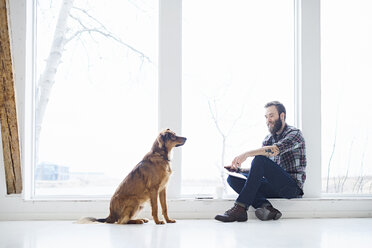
[[60, 39], [47, 78]]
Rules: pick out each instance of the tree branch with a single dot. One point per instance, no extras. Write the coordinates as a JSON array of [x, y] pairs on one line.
[[214, 117], [105, 33]]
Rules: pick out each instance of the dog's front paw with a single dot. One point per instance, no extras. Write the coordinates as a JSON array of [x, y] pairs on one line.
[[171, 221], [159, 222]]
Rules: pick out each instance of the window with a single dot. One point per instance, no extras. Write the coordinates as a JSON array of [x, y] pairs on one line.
[[101, 114], [95, 93], [346, 115], [237, 56]]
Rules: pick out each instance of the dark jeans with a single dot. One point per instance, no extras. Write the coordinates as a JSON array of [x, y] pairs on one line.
[[265, 179]]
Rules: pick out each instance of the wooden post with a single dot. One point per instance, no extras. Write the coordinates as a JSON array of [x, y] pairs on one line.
[[8, 113]]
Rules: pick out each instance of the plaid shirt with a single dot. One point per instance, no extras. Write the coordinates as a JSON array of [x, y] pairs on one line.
[[291, 157]]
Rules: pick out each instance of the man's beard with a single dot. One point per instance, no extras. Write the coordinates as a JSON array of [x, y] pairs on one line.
[[277, 126]]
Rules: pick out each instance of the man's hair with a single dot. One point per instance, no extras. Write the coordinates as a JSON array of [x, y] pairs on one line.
[[279, 106]]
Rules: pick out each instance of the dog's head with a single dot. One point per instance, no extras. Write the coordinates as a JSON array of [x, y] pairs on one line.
[[168, 139]]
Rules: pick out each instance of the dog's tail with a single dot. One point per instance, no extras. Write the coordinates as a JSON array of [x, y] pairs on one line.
[[89, 220]]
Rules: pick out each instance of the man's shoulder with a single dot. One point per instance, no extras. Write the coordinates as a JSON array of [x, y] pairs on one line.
[[293, 131]]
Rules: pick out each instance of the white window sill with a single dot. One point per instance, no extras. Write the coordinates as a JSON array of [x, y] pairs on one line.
[[15, 208]]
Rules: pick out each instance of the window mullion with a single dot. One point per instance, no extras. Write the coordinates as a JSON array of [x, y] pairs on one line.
[[170, 74], [307, 39]]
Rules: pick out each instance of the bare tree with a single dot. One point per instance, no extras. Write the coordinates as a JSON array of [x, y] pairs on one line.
[[348, 168], [333, 151], [47, 78], [223, 134], [60, 39], [358, 186]]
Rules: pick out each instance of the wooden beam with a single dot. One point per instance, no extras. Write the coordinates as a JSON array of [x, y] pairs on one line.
[[8, 113]]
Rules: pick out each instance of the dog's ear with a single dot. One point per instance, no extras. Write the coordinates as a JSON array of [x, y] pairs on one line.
[[160, 140], [163, 137]]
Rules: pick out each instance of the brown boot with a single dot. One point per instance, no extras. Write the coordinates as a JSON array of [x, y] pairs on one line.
[[268, 212], [236, 213]]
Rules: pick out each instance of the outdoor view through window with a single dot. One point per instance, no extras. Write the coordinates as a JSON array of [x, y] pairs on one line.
[[96, 90], [95, 93], [237, 56], [346, 60]]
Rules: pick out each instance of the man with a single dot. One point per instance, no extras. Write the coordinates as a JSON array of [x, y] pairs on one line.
[[277, 170]]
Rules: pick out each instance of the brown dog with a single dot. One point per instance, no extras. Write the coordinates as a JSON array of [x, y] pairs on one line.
[[146, 181]]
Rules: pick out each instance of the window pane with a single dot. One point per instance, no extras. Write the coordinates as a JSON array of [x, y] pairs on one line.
[[346, 78], [237, 56], [101, 110]]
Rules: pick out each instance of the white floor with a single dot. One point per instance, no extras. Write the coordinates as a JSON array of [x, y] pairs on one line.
[[190, 234]]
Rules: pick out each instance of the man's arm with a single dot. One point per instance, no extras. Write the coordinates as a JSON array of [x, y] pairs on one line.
[[264, 151], [267, 151]]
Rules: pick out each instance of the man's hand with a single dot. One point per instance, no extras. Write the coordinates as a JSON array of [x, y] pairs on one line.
[[268, 151], [237, 162], [271, 151], [230, 168]]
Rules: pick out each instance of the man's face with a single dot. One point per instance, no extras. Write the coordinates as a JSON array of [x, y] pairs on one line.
[[273, 121]]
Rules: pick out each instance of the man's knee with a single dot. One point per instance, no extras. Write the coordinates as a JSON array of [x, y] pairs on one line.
[[259, 163], [258, 159]]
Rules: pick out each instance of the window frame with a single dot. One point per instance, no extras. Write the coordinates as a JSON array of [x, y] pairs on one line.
[[314, 205], [307, 90]]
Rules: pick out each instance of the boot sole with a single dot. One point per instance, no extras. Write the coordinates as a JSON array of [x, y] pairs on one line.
[[223, 219]]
